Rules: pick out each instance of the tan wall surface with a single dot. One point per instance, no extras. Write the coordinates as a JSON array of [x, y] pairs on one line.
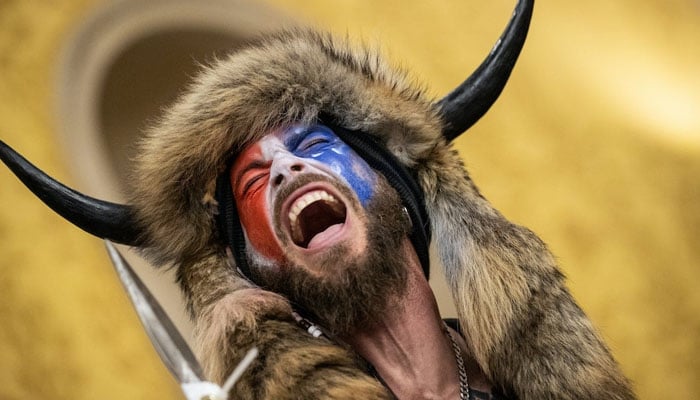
[[67, 330], [595, 145]]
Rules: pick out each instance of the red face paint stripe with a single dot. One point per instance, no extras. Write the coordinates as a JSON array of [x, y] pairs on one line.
[[252, 205]]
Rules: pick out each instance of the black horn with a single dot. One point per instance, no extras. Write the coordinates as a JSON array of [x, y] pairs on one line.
[[97, 217], [469, 101]]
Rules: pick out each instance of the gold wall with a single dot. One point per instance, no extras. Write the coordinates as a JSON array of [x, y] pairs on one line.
[[595, 145]]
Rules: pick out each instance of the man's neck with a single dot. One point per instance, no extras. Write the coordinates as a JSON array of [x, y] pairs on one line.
[[409, 348]]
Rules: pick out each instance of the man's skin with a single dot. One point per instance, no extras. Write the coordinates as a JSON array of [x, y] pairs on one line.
[[407, 346]]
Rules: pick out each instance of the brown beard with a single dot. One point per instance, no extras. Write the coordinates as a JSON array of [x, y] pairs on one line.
[[351, 292]]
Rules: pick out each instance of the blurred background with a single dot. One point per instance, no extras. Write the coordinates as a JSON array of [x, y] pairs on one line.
[[594, 145]]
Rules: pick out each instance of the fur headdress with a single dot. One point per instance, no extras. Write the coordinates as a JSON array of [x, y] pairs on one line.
[[507, 289]]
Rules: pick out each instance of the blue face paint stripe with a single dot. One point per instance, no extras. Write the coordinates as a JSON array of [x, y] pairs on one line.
[[331, 151]]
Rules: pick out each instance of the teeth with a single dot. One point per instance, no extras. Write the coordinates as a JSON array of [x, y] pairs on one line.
[[307, 199]]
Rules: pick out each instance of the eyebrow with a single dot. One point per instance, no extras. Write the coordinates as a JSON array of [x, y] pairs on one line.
[[255, 164]]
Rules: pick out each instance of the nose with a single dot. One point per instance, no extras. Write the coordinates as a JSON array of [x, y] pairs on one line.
[[284, 168]]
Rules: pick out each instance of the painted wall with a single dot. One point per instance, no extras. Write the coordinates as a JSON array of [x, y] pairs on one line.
[[595, 145]]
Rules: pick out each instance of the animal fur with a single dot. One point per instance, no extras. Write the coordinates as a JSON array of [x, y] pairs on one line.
[[520, 322], [232, 316]]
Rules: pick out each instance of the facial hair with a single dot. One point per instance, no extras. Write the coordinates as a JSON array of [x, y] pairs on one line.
[[351, 291]]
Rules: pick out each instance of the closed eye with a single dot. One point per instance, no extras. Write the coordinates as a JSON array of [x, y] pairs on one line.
[[252, 182], [308, 145]]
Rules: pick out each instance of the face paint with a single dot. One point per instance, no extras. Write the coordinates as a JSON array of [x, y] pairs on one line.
[[250, 175], [285, 153], [321, 144]]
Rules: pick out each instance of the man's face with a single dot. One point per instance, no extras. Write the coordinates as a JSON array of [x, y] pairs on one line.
[[322, 227], [301, 193]]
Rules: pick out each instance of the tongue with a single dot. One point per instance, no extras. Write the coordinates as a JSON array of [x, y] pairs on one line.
[[323, 238]]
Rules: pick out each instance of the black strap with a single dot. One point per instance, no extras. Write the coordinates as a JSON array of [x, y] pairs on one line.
[[228, 222]]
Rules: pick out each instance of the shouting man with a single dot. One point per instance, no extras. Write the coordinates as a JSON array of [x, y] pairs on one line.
[[296, 187]]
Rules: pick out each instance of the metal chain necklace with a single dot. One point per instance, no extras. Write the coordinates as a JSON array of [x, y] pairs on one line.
[[463, 381]]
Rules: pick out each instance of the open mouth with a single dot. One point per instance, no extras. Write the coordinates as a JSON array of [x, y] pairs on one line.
[[314, 216]]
